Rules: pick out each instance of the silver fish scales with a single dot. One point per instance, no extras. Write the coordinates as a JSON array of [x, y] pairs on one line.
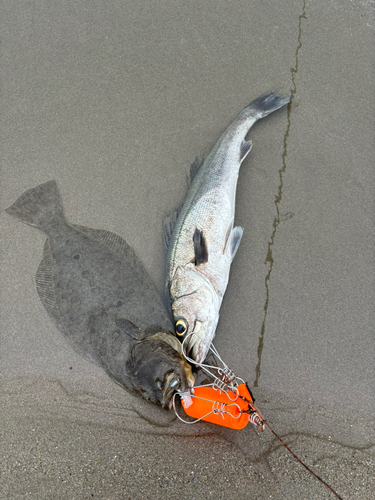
[[200, 236]]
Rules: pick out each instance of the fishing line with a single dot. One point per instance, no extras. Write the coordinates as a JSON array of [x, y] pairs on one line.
[[228, 377], [266, 424], [226, 381]]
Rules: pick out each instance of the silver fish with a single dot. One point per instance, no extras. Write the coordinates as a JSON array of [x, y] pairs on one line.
[[200, 238], [99, 295]]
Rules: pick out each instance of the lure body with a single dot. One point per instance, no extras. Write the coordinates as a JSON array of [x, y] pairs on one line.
[[225, 408]]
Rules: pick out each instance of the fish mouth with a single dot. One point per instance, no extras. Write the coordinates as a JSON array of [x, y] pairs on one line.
[[181, 377], [197, 344], [194, 348], [173, 384]]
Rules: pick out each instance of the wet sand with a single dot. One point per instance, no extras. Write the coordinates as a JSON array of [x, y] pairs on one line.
[[114, 101]]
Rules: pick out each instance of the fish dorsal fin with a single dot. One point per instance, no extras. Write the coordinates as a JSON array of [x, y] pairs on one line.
[[129, 328], [194, 167], [233, 241], [245, 149], [168, 226], [171, 218], [200, 247], [44, 285], [117, 245]]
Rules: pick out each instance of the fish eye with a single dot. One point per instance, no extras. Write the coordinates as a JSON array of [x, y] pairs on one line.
[[174, 382], [181, 326]]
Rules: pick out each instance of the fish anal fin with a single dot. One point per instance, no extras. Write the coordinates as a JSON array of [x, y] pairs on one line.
[[245, 149], [233, 241], [111, 240], [200, 247], [44, 285]]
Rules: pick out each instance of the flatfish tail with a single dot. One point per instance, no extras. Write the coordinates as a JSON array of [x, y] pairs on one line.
[[40, 206]]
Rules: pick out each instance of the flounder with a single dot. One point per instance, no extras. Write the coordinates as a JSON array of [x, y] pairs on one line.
[[100, 297]]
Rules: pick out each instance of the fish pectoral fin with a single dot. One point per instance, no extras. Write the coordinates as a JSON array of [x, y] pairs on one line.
[[233, 241], [245, 149], [129, 328], [200, 247]]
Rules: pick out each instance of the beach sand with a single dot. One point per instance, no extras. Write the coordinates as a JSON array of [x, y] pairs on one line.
[[114, 100]]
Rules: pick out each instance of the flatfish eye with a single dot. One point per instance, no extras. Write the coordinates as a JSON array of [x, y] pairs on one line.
[[181, 326], [174, 382]]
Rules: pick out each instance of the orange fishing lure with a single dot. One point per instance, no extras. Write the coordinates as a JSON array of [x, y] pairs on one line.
[[231, 408], [227, 402]]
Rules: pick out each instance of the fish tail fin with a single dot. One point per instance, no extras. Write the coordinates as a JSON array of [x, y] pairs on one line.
[[40, 206], [264, 105]]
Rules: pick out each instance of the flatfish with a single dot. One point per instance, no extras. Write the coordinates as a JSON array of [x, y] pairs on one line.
[[98, 294]]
